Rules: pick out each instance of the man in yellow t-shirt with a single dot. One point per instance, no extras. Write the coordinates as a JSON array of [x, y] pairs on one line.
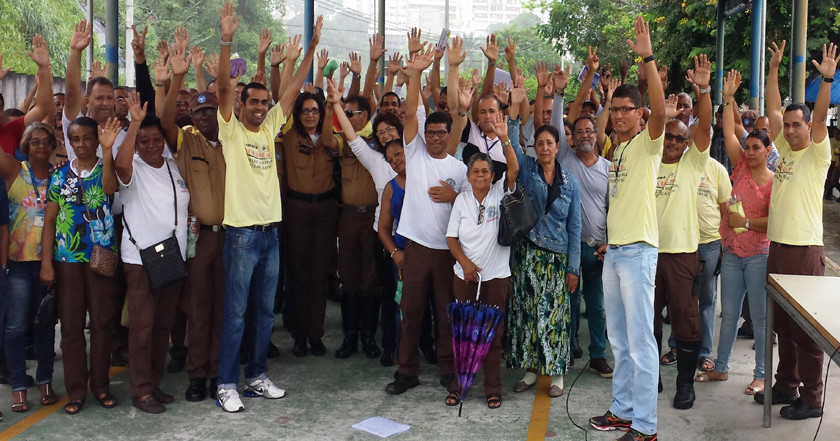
[[630, 260], [795, 230]]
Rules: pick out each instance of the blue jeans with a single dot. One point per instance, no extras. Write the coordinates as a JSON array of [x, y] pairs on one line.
[[706, 288], [629, 274], [24, 295], [252, 268], [593, 294], [737, 275]]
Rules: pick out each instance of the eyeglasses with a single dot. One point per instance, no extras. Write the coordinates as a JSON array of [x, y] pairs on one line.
[[119, 98], [584, 132], [623, 109], [436, 133], [350, 113], [386, 130], [182, 103], [312, 111], [480, 214], [37, 142], [678, 138]]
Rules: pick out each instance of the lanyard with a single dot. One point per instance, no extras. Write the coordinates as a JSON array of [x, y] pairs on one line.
[[34, 185], [490, 146], [621, 158]]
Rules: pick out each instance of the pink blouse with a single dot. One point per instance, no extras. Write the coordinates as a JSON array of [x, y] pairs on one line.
[[756, 203]]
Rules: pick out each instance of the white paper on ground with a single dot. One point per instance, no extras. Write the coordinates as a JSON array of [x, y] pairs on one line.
[[381, 427]]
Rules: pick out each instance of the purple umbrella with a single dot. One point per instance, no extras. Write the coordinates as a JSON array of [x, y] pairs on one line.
[[474, 326]]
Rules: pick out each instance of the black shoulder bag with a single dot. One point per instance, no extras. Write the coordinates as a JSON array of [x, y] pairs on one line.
[[163, 261], [518, 216]]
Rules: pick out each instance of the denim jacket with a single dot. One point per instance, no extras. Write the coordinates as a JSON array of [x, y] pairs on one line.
[[558, 230]]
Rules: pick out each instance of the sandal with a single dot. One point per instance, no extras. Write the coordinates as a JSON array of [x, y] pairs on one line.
[[107, 400], [453, 399], [19, 403], [494, 401], [669, 358], [73, 407], [754, 389], [705, 364], [48, 397], [705, 377]]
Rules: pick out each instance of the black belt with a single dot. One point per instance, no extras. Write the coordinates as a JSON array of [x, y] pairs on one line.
[[260, 228], [360, 209], [613, 246], [213, 228], [312, 198], [784, 245]]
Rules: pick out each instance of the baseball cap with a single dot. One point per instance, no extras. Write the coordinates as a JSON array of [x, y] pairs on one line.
[[204, 100]]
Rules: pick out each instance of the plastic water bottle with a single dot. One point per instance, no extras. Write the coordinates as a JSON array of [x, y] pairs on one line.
[[192, 236]]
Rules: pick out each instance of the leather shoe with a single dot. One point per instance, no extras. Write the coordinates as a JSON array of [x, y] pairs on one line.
[[299, 348], [777, 397], [197, 390], [317, 346], [148, 405], [163, 397], [800, 411], [402, 384], [387, 358]]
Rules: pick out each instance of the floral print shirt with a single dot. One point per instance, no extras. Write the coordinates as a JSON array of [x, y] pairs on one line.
[[84, 214]]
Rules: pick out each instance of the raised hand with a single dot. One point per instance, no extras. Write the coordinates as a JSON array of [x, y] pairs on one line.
[[310, 88], [560, 78], [702, 72], [671, 111], [476, 78], [731, 84], [641, 46], [3, 72], [606, 74], [197, 56], [138, 43], [343, 70], [394, 63], [500, 124], [182, 38], [439, 51], [230, 21], [179, 59], [502, 93], [355, 63], [377, 47], [212, 65], [265, 42], [135, 108], [465, 93], [419, 62], [108, 133], [82, 35], [161, 69], [592, 60], [829, 61], [541, 69], [278, 54], [163, 50], [614, 83], [491, 51], [97, 69], [426, 91], [414, 44], [622, 70], [40, 51], [293, 48], [323, 59], [333, 93], [518, 94], [316, 30], [456, 51], [776, 54], [510, 49], [663, 76]]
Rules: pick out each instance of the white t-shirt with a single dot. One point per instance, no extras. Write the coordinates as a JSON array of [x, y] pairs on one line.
[[480, 240], [423, 220], [377, 166], [147, 210]]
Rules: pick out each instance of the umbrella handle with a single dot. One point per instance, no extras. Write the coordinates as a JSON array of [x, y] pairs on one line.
[[478, 291]]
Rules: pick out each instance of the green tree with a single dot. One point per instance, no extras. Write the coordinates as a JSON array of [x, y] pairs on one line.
[[21, 19]]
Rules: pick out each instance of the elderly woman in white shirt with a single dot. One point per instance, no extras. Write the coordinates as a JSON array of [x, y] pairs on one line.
[[472, 239]]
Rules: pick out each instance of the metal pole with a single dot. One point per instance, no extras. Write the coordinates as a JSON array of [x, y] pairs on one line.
[[763, 53], [308, 22], [381, 19], [112, 40], [89, 61], [446, 25], [756, 66], [129, 36], [799, 36], [719, 56]]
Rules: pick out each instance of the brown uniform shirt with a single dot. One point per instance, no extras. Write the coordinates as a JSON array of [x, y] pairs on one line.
[[308, 164], [203, 167], [357, 186]]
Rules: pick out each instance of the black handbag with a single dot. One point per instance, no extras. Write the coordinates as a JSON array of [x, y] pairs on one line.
[[47, 315], [162, 261], [519, 215]]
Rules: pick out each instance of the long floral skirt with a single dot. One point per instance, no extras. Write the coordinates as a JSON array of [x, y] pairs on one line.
[[538, 314]]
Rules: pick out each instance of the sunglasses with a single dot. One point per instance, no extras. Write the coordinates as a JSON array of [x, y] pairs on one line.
[[350, 113], [678, 138]]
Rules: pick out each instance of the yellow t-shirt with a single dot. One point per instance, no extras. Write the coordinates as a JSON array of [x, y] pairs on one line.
[[714, 190], [632, 205], [252, 189], [676, 202], [796, 208]]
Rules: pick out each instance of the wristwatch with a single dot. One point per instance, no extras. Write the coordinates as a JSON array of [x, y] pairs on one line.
[[747, 224], [706, 89]]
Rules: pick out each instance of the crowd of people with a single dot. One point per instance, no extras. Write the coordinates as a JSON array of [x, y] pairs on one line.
[[166, 213]]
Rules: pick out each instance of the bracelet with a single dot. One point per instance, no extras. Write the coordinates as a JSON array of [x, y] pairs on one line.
[[160, 84], [276, 65], [706, 89], [649, 58], [357, 76], [225, 43], [492, 63], [394, 252], [461, 114], [828, 80]]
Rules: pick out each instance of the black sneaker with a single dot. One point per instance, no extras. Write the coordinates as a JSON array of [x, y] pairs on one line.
[[798, 410], [609, 421], [197, 390], [601, 367], [402, 384], [778, 397], [635, 435]]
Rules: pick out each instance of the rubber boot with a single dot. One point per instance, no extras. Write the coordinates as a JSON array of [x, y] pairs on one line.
[[349, 324], [368, 321], [686, 365]]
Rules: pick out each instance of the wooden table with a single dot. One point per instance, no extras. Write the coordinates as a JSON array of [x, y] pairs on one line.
[[813, 302]]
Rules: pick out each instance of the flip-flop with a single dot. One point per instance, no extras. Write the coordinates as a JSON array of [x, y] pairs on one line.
[[669, 358], [494, 401], [705, 377], [77, 404], [104, 400], [752, 390], [705, 364], [453, 399]]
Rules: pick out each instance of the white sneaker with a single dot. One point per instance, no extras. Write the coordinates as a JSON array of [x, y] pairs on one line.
[[228, 400], [264, 388]]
